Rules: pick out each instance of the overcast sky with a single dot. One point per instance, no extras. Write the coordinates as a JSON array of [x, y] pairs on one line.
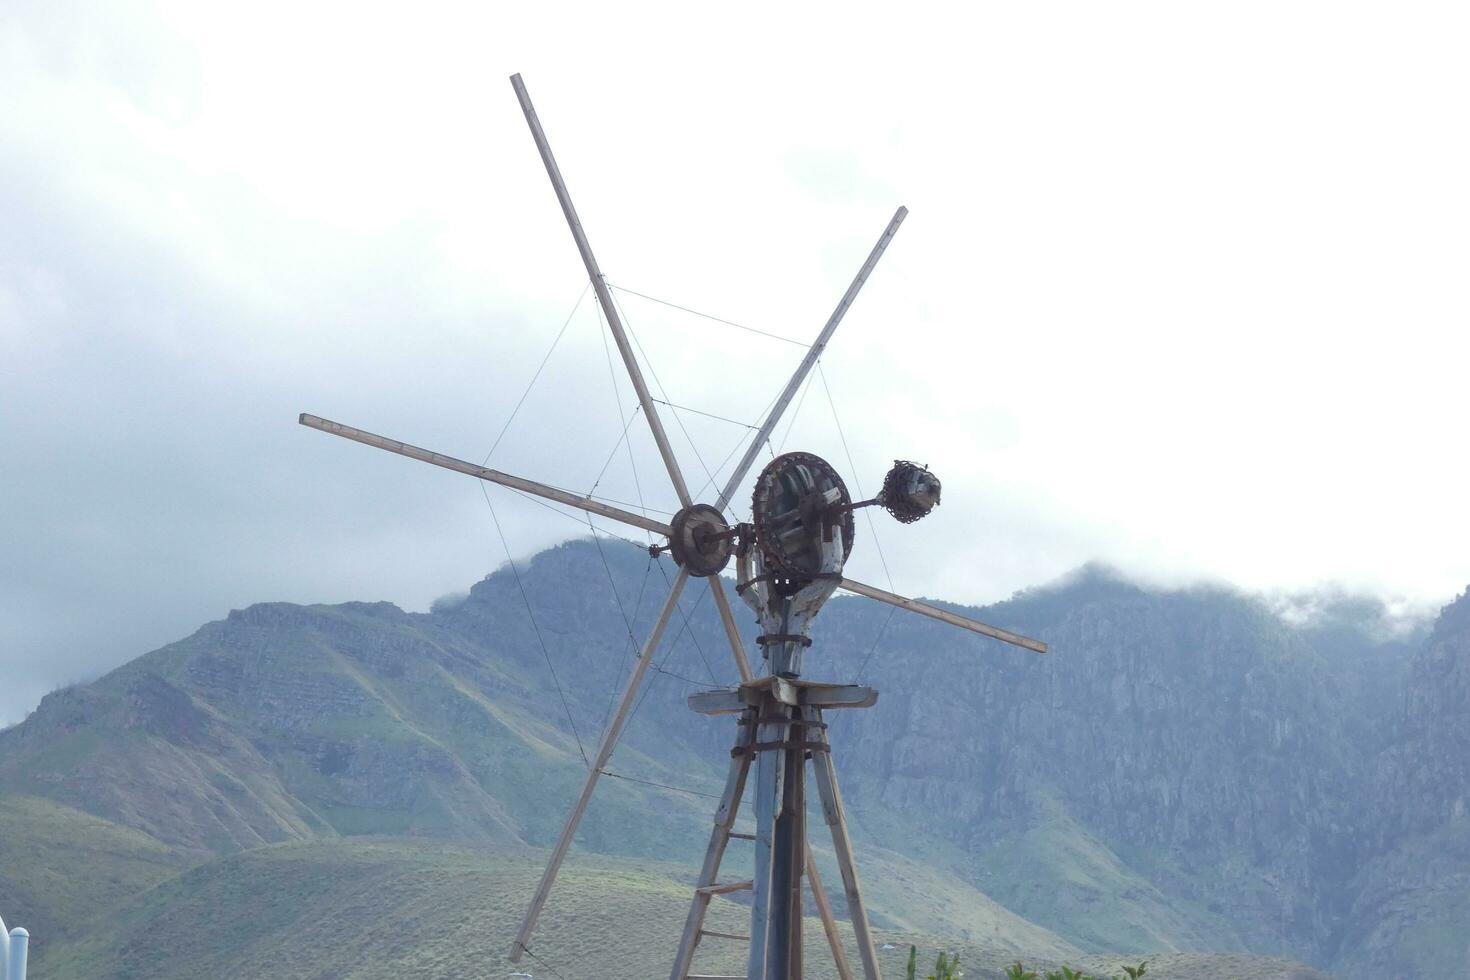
[[1183, 290]]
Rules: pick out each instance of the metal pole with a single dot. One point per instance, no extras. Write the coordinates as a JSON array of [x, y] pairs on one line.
[[815, 352], [604, 297], [604, 752]]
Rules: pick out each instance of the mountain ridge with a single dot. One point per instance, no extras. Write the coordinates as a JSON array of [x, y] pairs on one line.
[[1177, 774]]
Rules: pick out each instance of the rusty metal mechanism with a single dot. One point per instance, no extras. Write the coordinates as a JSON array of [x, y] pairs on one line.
[[909, 491], [800, 501], [701, 540]]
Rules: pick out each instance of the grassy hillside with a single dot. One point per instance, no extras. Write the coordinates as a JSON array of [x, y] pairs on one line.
[[1175, 776], [60, 868], [368, 909]]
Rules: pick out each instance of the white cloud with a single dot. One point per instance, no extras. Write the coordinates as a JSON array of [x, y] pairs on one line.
[[1181, 288]]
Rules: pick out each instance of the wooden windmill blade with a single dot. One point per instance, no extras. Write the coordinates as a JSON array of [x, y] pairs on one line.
[[809, 361], [676, 477], [604, 297], [484, 473], [943, 615]]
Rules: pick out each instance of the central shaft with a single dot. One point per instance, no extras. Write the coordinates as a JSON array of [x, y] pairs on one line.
[[780, 819]]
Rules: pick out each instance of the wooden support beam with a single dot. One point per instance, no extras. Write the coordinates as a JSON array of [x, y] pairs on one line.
[[829, 922], [732, 631], [726, 888], [839, 696], [770, 780], [832, 813], [727, 701]]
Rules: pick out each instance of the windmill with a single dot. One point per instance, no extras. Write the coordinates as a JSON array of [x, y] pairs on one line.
[[789, 560]]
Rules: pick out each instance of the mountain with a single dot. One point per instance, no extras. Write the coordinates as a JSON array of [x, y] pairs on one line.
[[1187, 770], [1411, 897]]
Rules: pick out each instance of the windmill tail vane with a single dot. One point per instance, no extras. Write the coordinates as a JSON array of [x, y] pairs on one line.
[[789, 559]]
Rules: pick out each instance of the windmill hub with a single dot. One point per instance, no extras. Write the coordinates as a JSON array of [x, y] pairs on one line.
[[701, 540]]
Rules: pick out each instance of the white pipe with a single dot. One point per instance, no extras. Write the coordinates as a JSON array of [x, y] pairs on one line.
[[19, 941]]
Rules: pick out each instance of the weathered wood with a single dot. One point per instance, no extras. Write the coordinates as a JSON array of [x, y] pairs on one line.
[[725, 815], [727, 701], [812, 354], [484, 473], [769, 781], [599, 285], [784, 691], [604, 752], [839, 696], [794, 693], [832, 813], [726, 888], [732, 631], [944, 616], [829, 922]]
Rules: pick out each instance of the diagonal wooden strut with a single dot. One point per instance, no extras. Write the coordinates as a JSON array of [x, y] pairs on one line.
[[732, 632], [604, 752], [604, 298], [836, 818], [483, 473], [707, 885], [824, 911], [810, 359]]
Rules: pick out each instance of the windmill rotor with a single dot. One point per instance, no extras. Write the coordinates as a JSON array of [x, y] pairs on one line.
[[800, 502], [789, 559]]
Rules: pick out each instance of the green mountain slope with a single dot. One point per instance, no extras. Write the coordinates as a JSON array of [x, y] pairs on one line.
[[60, 869], [368, 909], [1184, 772]]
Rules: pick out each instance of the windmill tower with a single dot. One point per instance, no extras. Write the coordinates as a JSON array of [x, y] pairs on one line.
[[789, 560]]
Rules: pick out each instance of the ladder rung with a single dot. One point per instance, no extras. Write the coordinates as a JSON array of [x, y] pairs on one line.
[[726, 888], [711, 976], [741, 836], [725, 935]]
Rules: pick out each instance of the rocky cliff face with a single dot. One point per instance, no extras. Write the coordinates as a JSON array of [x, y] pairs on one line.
[[1411, 896], [1184, 770]]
